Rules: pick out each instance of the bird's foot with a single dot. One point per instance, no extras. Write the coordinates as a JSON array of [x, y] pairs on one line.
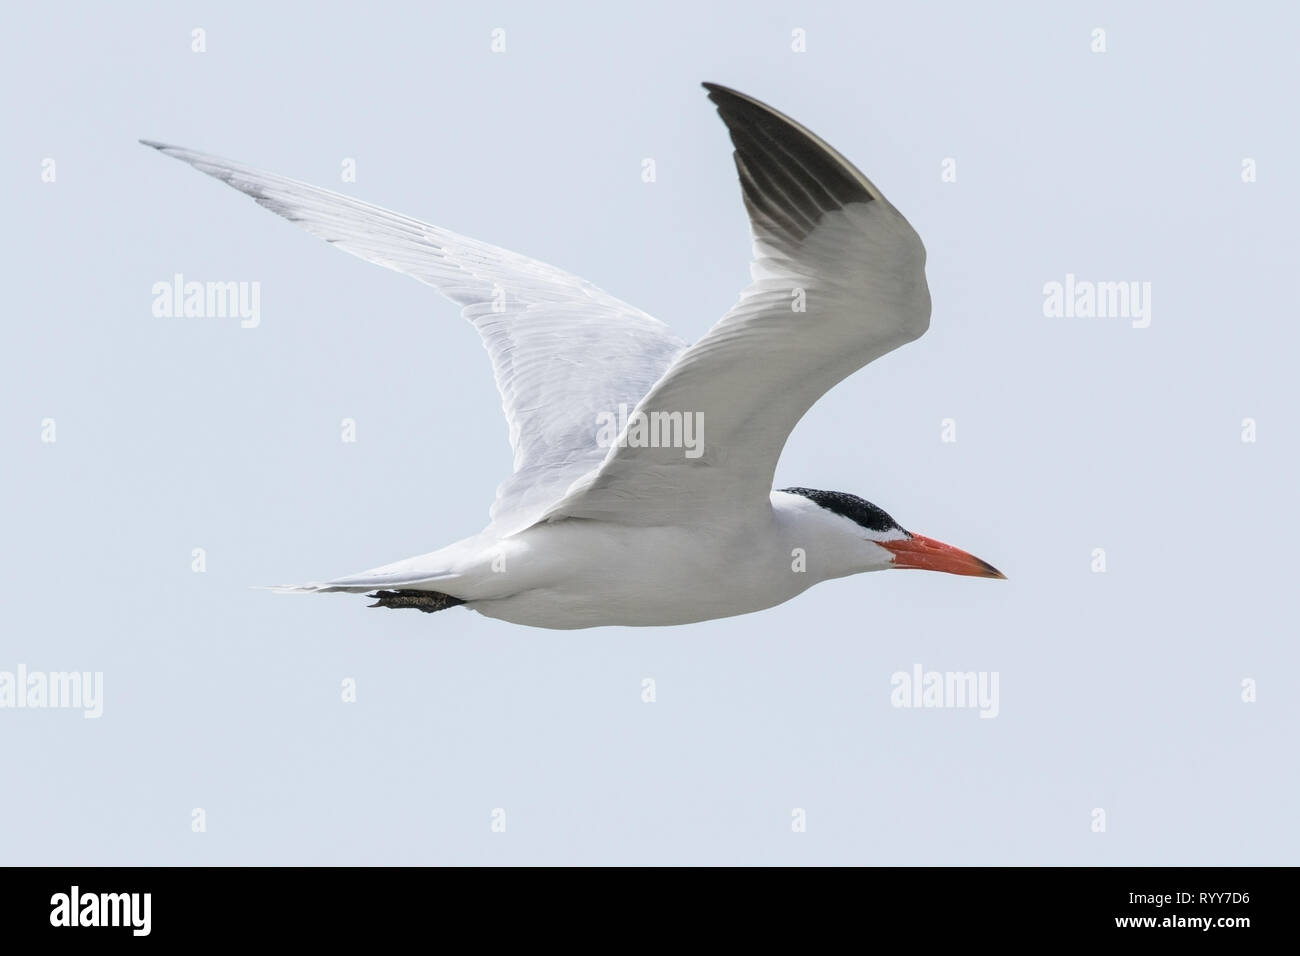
[[426, 601]]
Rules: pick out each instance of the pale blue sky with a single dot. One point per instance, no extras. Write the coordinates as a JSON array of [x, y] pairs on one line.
[[1119, 690]]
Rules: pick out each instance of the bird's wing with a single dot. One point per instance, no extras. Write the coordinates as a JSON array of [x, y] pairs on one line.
[[563, 351], [838, 279]]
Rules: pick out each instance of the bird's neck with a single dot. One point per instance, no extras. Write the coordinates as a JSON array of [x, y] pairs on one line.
[[829, 545]]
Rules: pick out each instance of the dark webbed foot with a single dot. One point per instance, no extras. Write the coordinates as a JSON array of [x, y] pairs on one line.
[[426, 601]]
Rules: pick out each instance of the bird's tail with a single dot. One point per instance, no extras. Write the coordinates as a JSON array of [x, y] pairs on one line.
[[371, 581]]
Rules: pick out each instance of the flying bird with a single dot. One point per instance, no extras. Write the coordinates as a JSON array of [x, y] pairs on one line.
[[643, 466]]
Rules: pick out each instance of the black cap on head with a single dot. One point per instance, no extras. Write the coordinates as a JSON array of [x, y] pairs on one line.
[[856, 509]]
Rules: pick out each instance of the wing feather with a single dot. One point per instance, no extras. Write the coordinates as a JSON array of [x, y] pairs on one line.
[[562, 350], [838, 279]]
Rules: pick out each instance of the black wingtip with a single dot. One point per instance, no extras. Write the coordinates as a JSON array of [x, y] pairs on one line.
[[790, 177], [152, 143], [719, 93]]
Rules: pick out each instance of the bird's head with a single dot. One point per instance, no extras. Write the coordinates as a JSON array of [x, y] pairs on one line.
[[870, 540]]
